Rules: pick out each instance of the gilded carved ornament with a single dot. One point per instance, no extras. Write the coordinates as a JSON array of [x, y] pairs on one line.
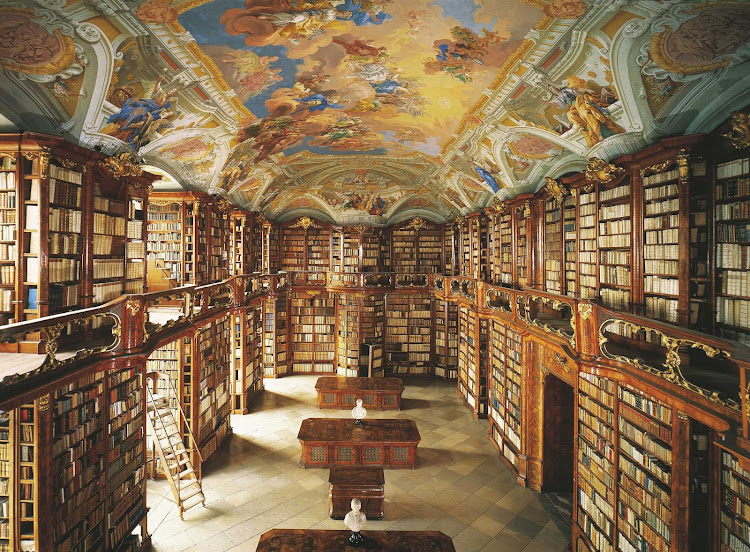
[[44, 156], [417, 224], [305, 222], [123, 164], [498, 206], [658, 168], [555, 189], [585, 310], [600, 171], [133, 306], [739, 133], [554, 304], [673, 372], [44, 403], [359, 229]]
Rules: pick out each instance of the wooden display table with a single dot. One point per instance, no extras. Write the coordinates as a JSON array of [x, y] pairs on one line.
[[312, 540], [366, 484], [385, 443], [376, 393]]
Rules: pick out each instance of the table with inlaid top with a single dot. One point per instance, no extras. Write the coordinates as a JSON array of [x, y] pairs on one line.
[[319, 540], [385, 443], [376, 393]]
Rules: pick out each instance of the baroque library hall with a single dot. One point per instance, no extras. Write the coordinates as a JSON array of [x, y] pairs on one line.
[[378, 275]]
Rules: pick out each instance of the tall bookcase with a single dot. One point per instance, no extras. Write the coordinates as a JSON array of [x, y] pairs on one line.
[[312, 328], [135, 246], [164, 244], [588, 261], [615, 254], [408, 333], [522, 216], [446, 339], [275, 336], [247, 372], [570, 243], [553, 246]]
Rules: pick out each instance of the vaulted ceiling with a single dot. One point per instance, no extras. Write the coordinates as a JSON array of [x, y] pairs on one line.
[[371, 111]]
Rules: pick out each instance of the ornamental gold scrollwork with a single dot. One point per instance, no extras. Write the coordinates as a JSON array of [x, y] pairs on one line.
[[555, 189], [498, 206], [683, 165], [44, 403], [562, 360], [739, 133], [151, 328], [305, 223], [122, 164], [43, 155], [658, 168], [133, 306], [600, 171], [672, 362], [585, 310], [417, 224], [488, 298], [554, 304], [360, 229]]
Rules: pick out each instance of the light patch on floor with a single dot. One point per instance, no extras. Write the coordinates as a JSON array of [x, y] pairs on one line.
[[460, 486]]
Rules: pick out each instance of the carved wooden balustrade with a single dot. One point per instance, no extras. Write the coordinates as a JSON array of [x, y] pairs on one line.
[[709, 371]]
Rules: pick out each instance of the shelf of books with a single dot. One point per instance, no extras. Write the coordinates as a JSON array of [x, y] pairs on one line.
[[188, 368], [504, 391], [239, 243], [553, 242], [734, 520], [732, 219], [479, 243], [63, 200], [195, 242], [699, 283], [404, 249], [644, 462], [313, 332], [110, 227], [135, 246], [614, 240], [372, 318], [408, 334], [522, 215], [293, 246], [464, 247], [371, 361], [255, 263], [270, 257], [587, 244], [595, 466], [450, 249], [78, 463], [446, 339], [318, 253], [661, 249], [165, 361], [7, 483], [125, 457], [376, 256], [429, 250], [211, 387], [164, 244], [275, 336], [247, 371], [8, 237], [570, 243], [349, 335], [219, 245], [468, 345]]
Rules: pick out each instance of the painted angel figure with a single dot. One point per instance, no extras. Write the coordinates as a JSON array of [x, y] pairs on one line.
[[587, 111], [140, 118]]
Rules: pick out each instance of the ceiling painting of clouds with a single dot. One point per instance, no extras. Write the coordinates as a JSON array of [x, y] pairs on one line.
[[357, 76]]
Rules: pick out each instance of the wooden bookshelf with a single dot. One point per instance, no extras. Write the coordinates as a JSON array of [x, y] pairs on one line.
[[109, 238], [595, 466], [275, 336], [9, 237], [521, 218], [312, 326], [446, 339], [588, 259], [614, 243], [468, 358], [164, 245], [219, 242], [408, 334], [734, 529], [136, 238], [553, 246], [504, 391], [450, 249], [570, 243], [247, 372], [732, 217], [405, 247]]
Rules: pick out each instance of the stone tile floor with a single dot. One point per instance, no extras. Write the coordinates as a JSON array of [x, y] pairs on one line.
[[460, 486]]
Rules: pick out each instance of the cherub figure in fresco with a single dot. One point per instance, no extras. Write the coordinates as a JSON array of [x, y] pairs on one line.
[[586, 110], [304, 24], [252, 72], [459, 56], [141, 118], [316, 102]]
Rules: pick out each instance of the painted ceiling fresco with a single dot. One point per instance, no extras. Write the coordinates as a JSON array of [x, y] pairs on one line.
[[371, 111]]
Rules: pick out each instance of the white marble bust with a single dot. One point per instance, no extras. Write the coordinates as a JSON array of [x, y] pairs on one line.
[[359, 412], [355, 520]]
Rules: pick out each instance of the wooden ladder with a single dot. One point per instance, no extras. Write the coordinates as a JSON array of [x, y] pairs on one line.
[[174, 458]]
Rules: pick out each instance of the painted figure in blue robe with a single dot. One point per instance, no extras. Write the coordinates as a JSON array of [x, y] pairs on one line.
[[140, 118], [388, 86], [364, 12], [488, 178], [314, 102]]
